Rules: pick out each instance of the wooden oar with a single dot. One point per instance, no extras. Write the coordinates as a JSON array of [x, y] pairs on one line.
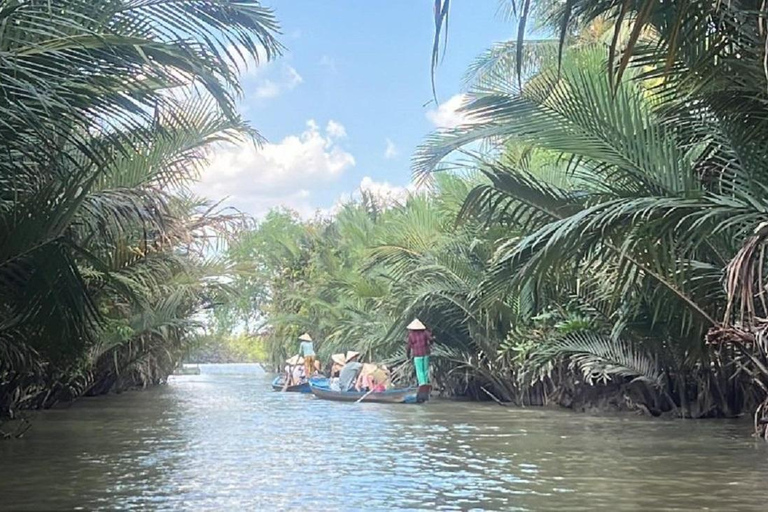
[[287, 381], [364, 396], [289, 376]]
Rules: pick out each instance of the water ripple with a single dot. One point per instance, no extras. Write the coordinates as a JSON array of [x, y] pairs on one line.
[[218, 441]]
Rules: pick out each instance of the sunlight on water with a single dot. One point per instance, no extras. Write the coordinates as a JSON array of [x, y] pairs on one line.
[[222, 440]]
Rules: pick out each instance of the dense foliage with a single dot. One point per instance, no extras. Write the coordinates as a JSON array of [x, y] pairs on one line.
[[108, 108], [612, 245], [657, 109], [354, 281], [596, 234]]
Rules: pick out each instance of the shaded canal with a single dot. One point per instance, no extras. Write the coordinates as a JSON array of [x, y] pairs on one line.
[[225, 441]]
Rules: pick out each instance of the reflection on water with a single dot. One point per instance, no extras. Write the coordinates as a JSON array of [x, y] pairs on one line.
[[223, 441]]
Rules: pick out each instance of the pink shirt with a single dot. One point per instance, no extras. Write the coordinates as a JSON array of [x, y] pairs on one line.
[[419, 342]]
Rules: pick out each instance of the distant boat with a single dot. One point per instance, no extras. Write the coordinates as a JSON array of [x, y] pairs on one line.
[[412, 395], [278, 383]]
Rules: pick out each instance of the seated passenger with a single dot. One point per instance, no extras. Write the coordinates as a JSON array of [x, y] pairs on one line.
[[298, 373], [381, 378], [350, 371], [372, 378], [339, 360], [290, 367]]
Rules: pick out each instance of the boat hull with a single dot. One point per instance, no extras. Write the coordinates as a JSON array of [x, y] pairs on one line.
[[392, 396], [277, 385]]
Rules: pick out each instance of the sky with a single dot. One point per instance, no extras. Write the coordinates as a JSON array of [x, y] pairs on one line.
[[349, 101]]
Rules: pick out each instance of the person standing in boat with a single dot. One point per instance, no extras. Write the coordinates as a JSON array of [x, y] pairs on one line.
[[419, 342], [307, 350]]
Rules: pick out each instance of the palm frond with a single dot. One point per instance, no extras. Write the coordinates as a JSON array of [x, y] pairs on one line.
[[602, 358]]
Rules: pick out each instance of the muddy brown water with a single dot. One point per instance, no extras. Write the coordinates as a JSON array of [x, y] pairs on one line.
[[223, 440]]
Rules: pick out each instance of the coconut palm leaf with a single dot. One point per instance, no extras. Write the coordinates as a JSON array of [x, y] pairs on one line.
[[601, 358], [96, 145]]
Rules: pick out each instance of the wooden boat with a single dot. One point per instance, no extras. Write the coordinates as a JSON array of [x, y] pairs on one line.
[[412, 395], [278, 383]]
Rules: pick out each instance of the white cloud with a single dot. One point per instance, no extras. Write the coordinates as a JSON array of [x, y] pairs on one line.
[[294, 78], [267, 89], [261, 87], [300, 201], [335, 129], [258, 179], [385, 191], [446, 115], [390, 151], [386, 194], [328, 63], [262, 79]]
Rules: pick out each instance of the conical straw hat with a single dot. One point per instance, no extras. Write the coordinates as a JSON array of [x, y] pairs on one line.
[[338, 358], [351, 354], [381, 374], [368, 368], [305, 337], [416, 325], [295, 360]]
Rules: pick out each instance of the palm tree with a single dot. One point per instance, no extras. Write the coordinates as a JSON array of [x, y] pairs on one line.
[[669, 187], [94, 146], [356, 281]]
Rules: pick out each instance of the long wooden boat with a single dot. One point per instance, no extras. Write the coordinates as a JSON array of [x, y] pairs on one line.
[[278, 383], [412, 395]]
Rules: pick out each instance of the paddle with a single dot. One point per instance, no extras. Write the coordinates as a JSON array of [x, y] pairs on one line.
[[287, 381], [289, 376], [364, 396]]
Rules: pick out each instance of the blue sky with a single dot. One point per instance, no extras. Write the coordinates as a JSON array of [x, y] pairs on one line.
[[345, 106]]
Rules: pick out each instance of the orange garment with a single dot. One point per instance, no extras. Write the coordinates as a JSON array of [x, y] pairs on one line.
[[309, 365]]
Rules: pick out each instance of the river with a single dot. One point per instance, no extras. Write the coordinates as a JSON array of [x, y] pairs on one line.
[[223, 440]]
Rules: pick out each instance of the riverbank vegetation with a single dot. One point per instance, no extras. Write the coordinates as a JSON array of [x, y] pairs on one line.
[[594, 233], [109, 108]]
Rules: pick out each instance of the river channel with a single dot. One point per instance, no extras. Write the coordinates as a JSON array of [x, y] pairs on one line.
[[223, 440]]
